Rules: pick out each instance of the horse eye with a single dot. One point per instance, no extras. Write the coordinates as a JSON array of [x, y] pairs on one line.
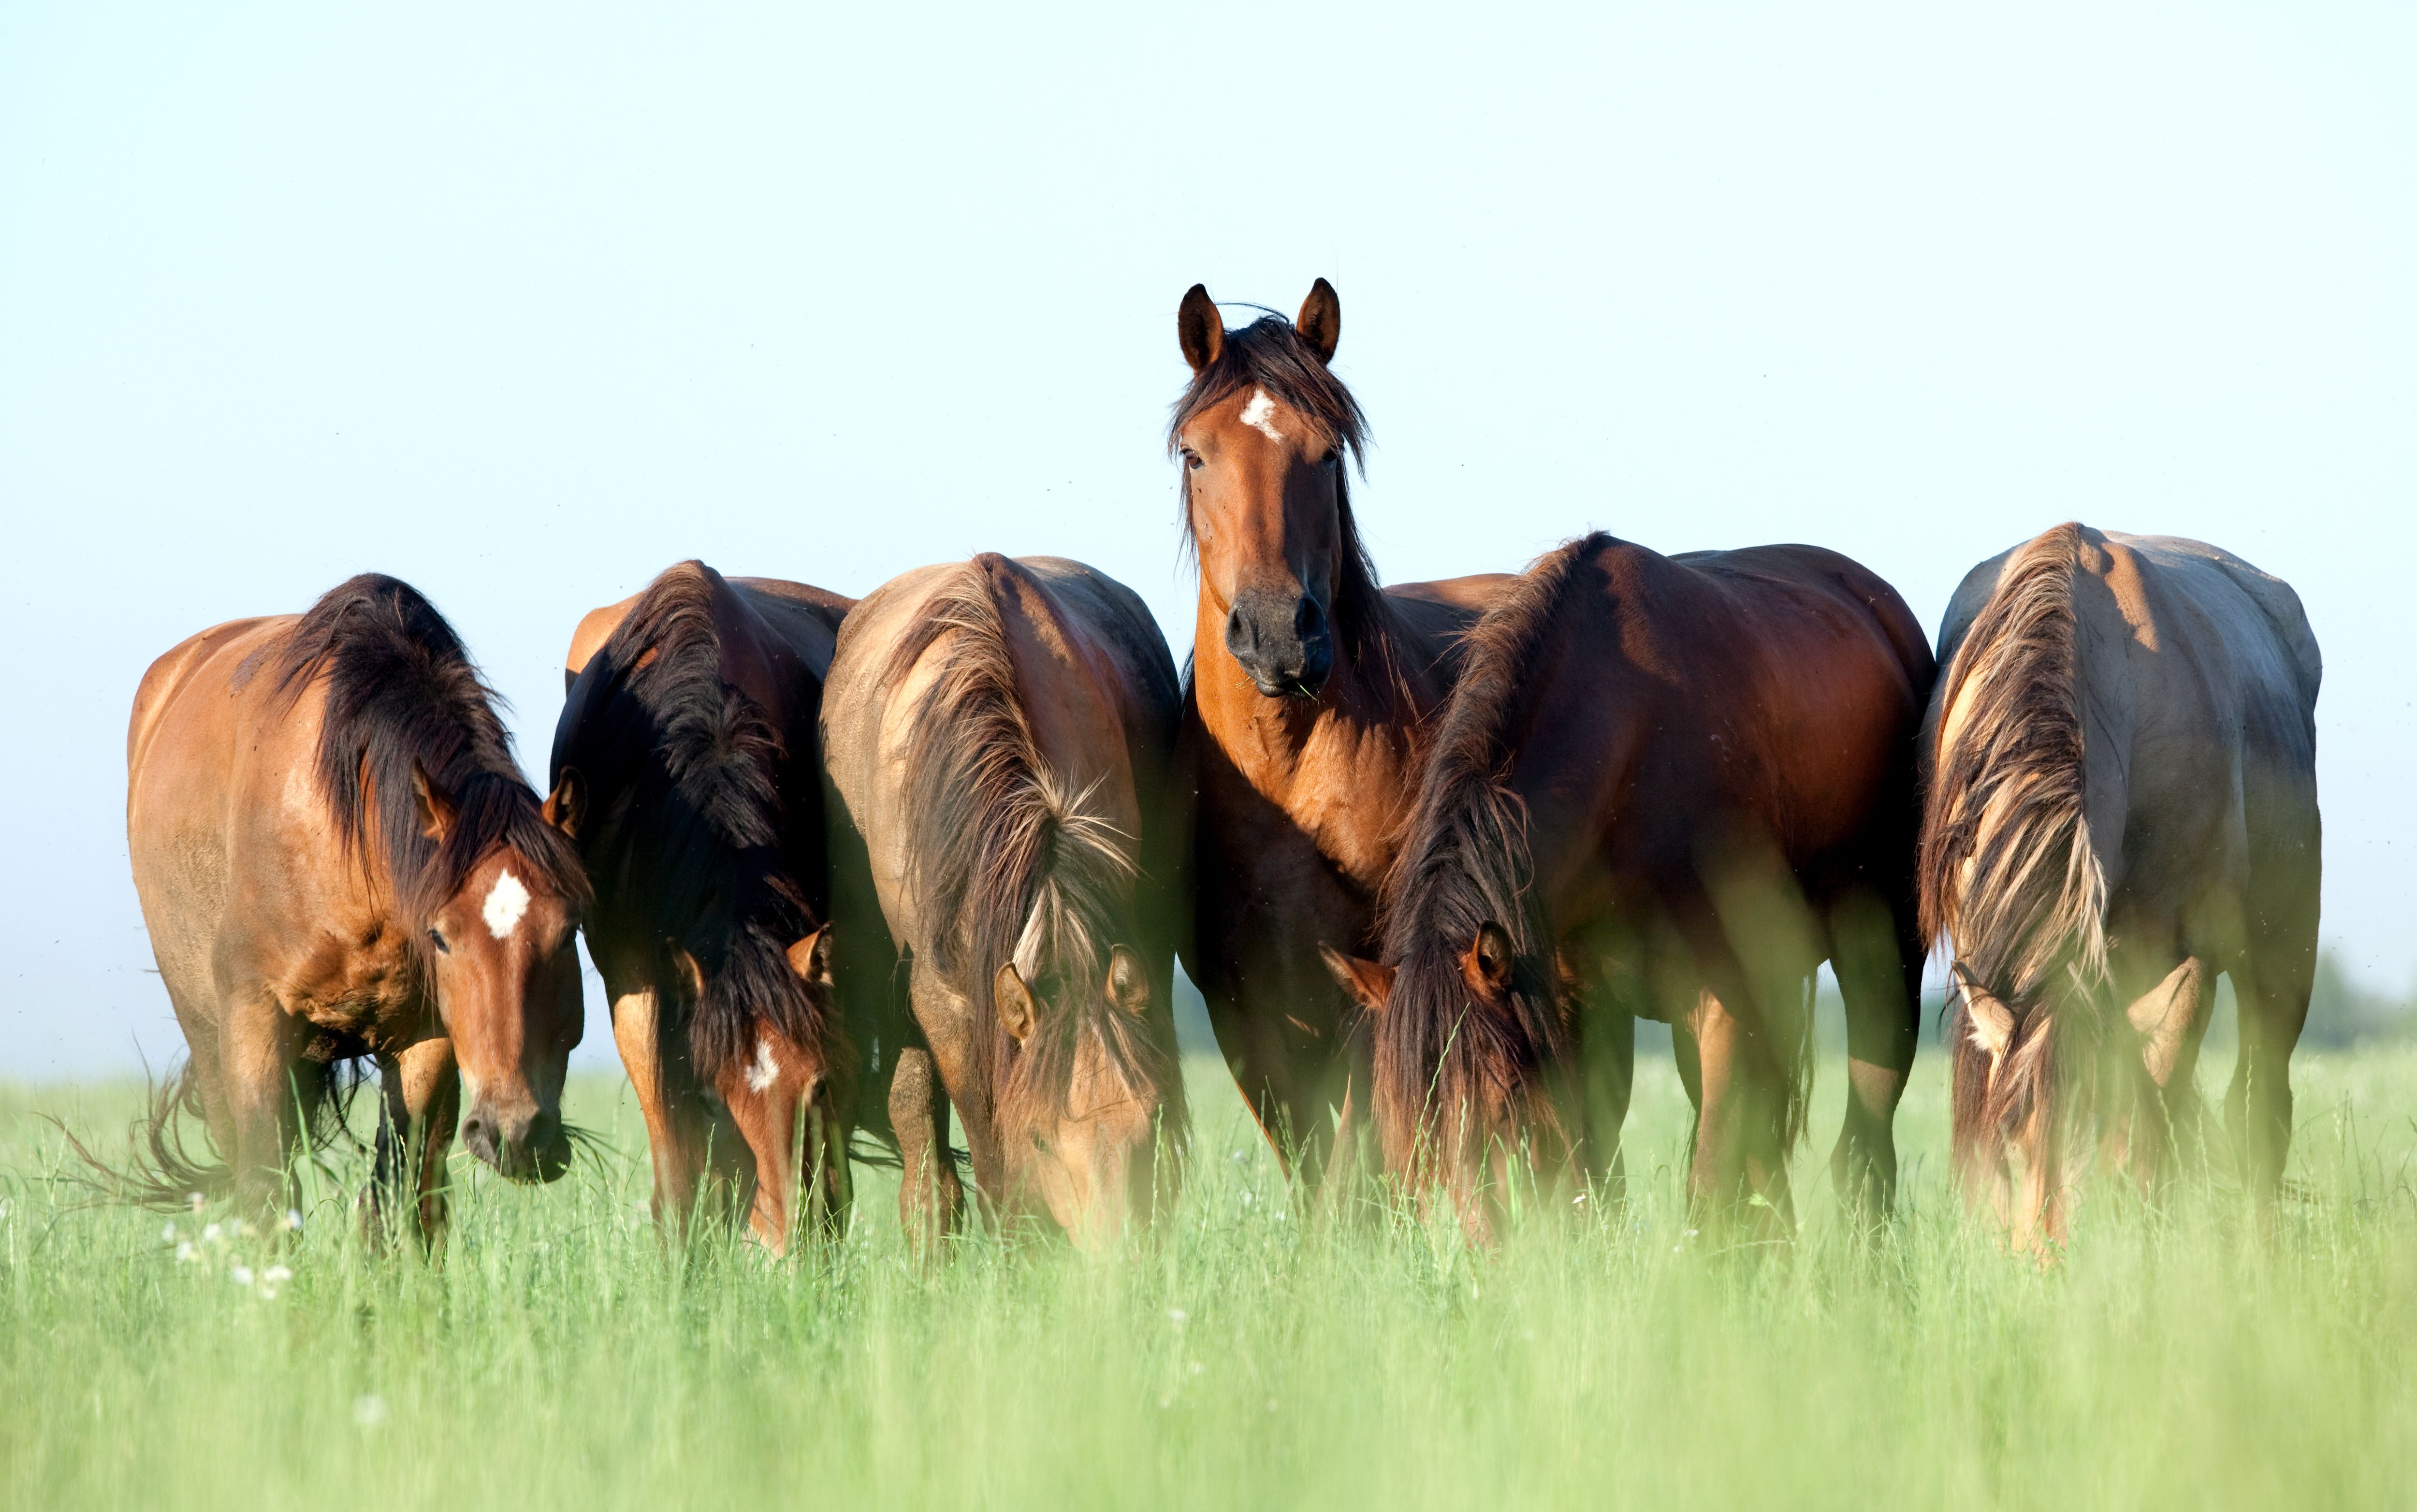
[[1041, 1144], [437, 937], [1191, 460]]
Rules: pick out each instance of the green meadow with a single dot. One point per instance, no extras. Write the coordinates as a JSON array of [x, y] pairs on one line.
[[559, 1356]]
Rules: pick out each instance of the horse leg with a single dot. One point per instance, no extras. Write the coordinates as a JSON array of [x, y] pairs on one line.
[[259, 1052], [1877, 953], [2169, 1019], [2274, 999], [929, 1193], [679, 1127], [419, 1101], [1742, 1124]]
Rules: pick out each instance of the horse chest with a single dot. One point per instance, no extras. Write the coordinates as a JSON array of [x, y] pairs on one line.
[[366, 985]]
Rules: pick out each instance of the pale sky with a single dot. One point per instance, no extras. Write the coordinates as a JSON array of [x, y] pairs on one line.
[[524, 303]]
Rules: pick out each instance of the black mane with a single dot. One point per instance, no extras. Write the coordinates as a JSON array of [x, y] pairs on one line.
[[683, 824], [403, 695]]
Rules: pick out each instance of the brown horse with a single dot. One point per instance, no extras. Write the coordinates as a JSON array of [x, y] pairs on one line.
[[690, 768], [1668, 787], [1309, 685], [999, 735], [2122, 804], [336, 859]]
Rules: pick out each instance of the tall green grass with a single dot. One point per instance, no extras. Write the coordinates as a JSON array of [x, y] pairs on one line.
[[558, 1356]]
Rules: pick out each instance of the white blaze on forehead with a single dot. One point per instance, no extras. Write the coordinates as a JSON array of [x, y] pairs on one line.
[[507, 900], [1259, 415], [766, 1070]]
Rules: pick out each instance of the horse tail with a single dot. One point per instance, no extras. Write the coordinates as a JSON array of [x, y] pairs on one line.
[[163, 1170], [2007, 867]]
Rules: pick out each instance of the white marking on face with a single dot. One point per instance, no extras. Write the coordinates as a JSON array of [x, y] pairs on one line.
[[766, 1070], [1257, 414], [507, 900]]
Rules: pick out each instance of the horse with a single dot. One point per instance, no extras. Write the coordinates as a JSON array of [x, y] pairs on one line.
[[691, 766], [2122, 803], [1665, 787], [336, 859], [998, 737], [1309, 687]]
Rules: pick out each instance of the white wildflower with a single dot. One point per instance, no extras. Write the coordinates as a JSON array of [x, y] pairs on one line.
[[167, 1233], [210, 1234], [240, 1276], [193, 1201], [185, 1252], [368, 1411], [277, 1275], [293, 1220], [1178, 1317]]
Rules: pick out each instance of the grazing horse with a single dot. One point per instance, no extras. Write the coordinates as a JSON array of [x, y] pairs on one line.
[[336, 859], [1663, 787], [690, 768], [1309, 687], [2122, 803], [998, 736]]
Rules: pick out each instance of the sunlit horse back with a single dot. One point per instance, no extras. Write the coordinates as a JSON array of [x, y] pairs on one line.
[[999, 735], [336, 859]]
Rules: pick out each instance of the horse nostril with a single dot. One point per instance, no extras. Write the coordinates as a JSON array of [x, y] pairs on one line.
[[476, 1134], [1239, 637]]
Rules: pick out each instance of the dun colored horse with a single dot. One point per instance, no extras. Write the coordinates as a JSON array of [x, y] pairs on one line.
[[690, 768], [998, 735], [1667, 787], [2122, 804], [336, 859], [1309, 686]]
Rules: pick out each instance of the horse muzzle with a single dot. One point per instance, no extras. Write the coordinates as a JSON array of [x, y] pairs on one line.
[[1283, 641], [531, 1146]]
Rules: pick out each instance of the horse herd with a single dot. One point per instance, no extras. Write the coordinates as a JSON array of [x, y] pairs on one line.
[[1428, 850]]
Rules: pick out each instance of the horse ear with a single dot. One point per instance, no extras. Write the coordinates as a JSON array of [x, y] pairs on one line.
[[434, 804], [1199, 329], [811, 958], [1486, 964], [562, 805], [1012, 1002], [1369, 983], [1992, 1022], [1128, 984], [1320, 322]]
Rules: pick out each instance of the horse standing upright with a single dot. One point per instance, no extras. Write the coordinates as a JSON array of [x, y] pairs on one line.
[[2122, 803], [1309, 685], [336, 859], [1668, 787], [689, 767], [998, 736]]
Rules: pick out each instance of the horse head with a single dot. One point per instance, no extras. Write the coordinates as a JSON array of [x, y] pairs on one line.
[[498, 945], [1265, 433], [1077, 1114]]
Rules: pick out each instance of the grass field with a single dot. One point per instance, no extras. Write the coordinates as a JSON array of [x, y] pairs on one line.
[[558, 1357]]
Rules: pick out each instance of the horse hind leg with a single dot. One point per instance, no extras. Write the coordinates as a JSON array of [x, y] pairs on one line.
[[1877, 953], [2273, 1003]]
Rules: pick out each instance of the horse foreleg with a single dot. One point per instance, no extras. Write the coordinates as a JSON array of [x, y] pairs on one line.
[[260, 1050], [419, 1102], [1878, 957], [929, 1193], [679, 1127], [1741, 1145]]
